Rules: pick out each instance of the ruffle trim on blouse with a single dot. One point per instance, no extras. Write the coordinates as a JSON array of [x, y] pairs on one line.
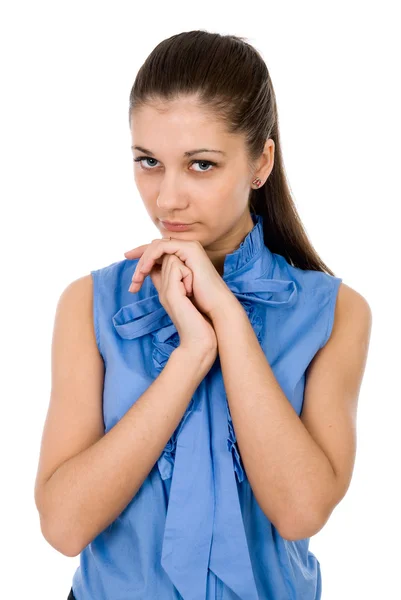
[[232, 447], [250, 247]]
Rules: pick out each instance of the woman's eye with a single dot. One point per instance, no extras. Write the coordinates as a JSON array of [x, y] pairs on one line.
[[140, 159], [208, 163]]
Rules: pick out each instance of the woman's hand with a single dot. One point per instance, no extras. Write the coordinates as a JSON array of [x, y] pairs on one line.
[[173, 281], [202, 281]]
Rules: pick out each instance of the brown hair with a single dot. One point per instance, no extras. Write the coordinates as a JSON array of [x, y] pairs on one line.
[[230, 78]]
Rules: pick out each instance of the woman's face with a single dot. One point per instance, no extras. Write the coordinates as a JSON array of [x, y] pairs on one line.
[[208, 189]]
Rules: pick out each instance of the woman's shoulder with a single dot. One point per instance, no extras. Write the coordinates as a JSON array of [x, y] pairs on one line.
[[116, 270]]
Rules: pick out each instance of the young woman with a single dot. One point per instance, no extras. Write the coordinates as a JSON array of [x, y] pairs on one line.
[[202, 419]]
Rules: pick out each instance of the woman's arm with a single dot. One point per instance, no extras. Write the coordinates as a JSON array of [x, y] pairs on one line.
[[298, 468], [98, 474]]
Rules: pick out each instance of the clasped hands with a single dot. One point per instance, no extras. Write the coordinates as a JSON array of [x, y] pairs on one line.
[[202, 283]]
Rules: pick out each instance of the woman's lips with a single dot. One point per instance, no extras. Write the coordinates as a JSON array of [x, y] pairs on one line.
[[176, 227]]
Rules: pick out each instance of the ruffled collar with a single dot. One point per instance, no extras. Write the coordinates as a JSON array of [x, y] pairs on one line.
[[204, 527], [249, 249]]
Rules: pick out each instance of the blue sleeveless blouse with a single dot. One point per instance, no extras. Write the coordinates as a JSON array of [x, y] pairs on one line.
[[194, 530]]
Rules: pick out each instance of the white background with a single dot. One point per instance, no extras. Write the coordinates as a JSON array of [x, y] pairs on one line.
[[69, 205]]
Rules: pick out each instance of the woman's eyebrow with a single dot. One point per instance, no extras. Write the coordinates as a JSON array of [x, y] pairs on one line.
[[189, 153]]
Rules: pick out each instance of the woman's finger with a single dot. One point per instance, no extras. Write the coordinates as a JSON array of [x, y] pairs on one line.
[[153, 254], [171, 260], [141, 270]]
